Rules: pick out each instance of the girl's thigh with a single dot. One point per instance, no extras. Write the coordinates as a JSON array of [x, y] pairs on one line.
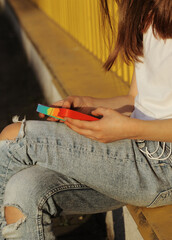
[[118, 170]]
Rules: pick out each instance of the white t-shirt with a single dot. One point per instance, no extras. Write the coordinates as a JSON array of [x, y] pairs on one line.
[[154, 79]]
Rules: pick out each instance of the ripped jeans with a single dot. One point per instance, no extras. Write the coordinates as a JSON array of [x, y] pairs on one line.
[[50, 170]]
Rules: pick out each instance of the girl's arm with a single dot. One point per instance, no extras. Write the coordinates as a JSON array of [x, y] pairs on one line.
[[155, 130], [122, 104], [115, 126]]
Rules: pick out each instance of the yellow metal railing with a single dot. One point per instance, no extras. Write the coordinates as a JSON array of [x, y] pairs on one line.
[[81, 19]]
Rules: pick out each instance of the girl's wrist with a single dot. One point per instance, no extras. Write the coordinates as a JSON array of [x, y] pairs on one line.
[[134, 128], [92, 102]]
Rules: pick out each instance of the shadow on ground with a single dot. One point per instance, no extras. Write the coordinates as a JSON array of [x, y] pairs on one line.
[[19, 88]]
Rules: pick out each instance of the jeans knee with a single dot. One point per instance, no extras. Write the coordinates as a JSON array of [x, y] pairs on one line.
[[21, 187], [10, 132], [18, 188]]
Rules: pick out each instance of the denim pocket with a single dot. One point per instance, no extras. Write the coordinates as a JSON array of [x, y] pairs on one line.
[[162, 199]]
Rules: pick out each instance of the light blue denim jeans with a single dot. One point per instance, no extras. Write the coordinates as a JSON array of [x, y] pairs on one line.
[[50, 170]]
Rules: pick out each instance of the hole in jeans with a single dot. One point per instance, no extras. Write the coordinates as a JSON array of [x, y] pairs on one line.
[[10, 132], [13, 215], [14, 220]]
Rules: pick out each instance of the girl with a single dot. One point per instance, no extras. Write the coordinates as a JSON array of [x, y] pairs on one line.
[[80, 167]]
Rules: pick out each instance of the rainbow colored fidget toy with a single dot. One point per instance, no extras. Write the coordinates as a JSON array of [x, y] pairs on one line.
[[61, 113]]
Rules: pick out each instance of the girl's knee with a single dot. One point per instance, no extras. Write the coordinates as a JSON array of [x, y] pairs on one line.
[[13, 214], [10, 132], [13, 226]]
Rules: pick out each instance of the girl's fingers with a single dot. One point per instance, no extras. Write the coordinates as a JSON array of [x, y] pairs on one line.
[[99, 111], [66, 103], [58, 104], [89, 125], [52, 119], [41, 115], [85, 132]]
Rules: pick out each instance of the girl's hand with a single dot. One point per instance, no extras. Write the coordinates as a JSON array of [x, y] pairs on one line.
[[80, 104], [111, 127]]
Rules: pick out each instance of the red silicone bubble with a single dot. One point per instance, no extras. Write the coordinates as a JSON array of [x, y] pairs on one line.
[[75, 115]]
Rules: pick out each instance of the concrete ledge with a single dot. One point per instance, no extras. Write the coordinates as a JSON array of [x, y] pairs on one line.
[[68, 67]]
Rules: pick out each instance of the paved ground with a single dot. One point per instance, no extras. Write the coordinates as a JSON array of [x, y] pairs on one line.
[[19, 95]]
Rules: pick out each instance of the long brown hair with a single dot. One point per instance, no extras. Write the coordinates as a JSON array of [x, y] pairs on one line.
[[135, 17]]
